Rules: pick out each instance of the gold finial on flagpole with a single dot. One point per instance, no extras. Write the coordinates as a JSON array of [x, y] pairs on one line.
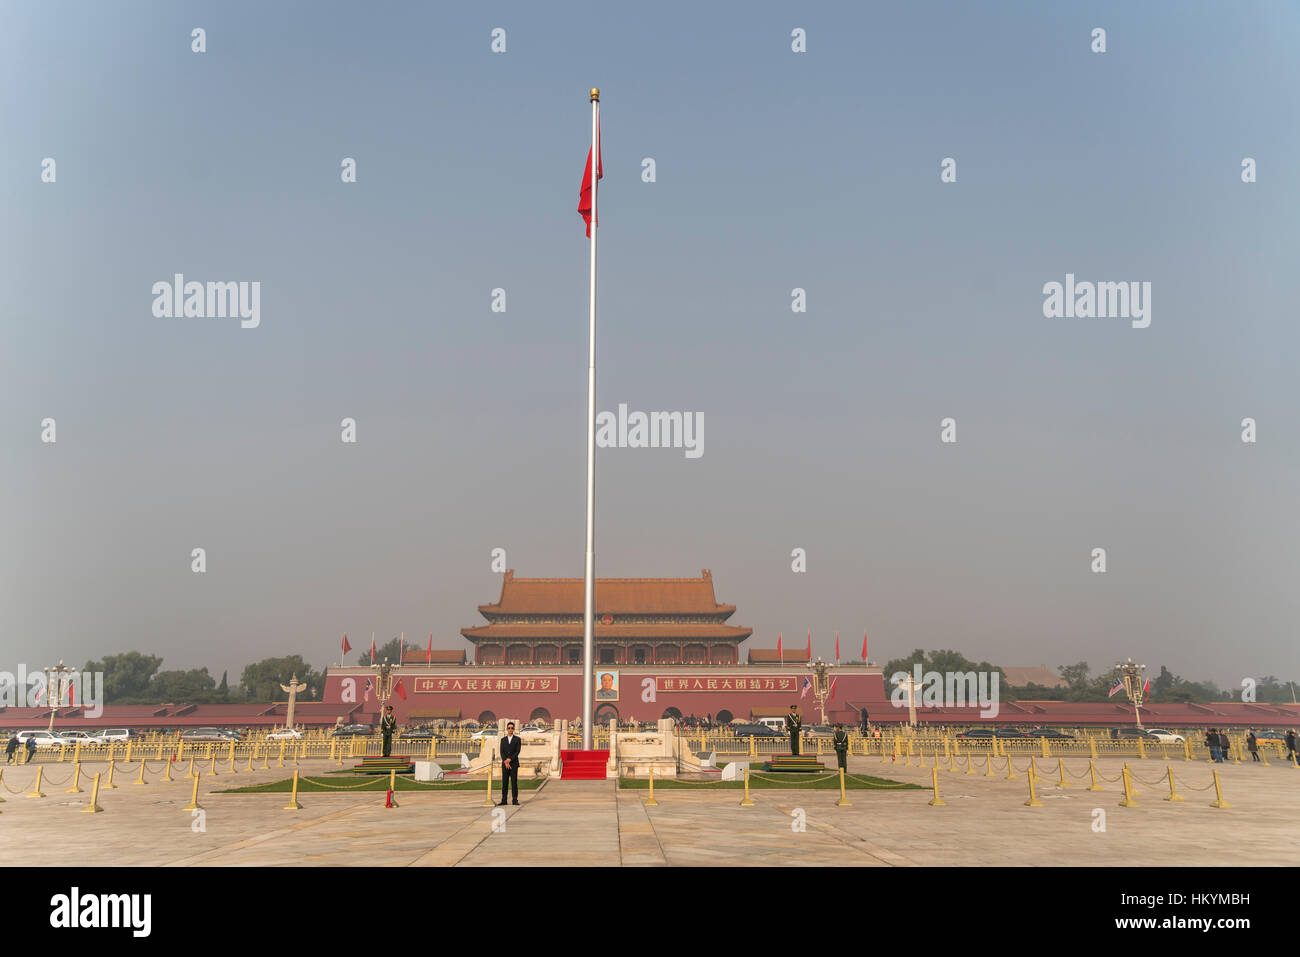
[[595, 94]]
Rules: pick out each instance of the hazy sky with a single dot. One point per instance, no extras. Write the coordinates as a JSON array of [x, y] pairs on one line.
[[775, 170]]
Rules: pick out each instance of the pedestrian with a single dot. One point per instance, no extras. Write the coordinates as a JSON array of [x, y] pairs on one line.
[[1290, 745], [1225, 746], [1212, 742], [10, 748], [1252, 744], [510, 748], [31, 749], [841, 742]]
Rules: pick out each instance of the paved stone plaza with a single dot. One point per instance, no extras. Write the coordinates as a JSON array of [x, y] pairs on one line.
[[590, 823]]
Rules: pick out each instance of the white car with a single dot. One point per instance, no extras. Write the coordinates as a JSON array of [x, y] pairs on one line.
[[284, 734], [43, 739], [485, 733], [531, 729], [114, 736], [1166, 737], [70, 738]]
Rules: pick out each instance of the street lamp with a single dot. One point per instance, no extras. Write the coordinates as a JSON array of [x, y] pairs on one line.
[[54, 684], [1133, 685], [821, 684]]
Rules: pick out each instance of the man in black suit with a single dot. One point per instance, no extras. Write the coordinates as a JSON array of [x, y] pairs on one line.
[[510, 747]]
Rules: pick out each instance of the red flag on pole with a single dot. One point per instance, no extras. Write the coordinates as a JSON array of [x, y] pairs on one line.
[[372, 647], [810, 646], [864, 646], [837, 652], [584, 193], [779, 653], [399, 690], [73, 688], [428, 658], [346, 646], [833, 680]]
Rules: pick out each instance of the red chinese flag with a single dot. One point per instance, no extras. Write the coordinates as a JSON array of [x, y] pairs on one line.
[[346, 646], [864, 646], [584, 193], [399, 690], [779, 653], [837, 651], [428, 658], [372, 649], [810, 646]]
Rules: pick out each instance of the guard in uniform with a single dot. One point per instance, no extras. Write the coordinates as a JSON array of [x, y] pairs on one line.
[[841, 742], [386, 727], [793, 724]]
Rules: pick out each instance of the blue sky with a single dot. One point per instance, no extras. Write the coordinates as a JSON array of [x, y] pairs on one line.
[[775, 170]]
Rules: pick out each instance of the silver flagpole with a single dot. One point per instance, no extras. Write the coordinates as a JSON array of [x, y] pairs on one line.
[[589, 585]]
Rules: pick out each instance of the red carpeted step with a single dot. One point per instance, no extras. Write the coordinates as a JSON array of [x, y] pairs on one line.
[[583, 765]]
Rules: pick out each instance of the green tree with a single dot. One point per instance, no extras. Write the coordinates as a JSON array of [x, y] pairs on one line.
[[391, 651], [223, 689], [261, 680], [126, 676], [195, 686]]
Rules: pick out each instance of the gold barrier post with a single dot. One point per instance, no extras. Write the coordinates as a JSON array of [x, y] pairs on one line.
[[1132, 786], [1092, 774], [1043, 742], [213, 769], [76, 780], [93, 806], [1187, 750], [936, 801], [266, 758], [1142, 749], [1127, 799], [746, 802], [36, 788], [293, 804], [141, 779], [160, 749], [844, 798], [1092, 747], [1060, 770], [650, 801], [76, 752], [194, 804], [1173, 795], [1218, 792], [112, 746], [281, 763], [250, 760], [487, 799], [988, 769], [167, 770], [1011, 770], [1033, 797], [232, 756]]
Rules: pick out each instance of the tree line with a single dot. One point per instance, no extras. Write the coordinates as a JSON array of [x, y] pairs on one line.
[[135, 678], [1082, 685]]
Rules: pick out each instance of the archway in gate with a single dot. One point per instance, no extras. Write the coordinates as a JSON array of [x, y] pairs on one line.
[[540, 715], [604, 712], [723, 717], [487, 717], [673, 713]]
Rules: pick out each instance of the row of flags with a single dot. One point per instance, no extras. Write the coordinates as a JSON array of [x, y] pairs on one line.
[[781, 653], [347, 646]]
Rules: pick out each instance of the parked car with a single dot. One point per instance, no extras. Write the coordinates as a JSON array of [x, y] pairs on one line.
[[350, 729], [752, 731], [44, 739], [284, 734], [531, 729], [976, 734], [115, 736], [1124, 734], [421, 734], [211, 734], [1166, 737], [485, 733], [70, 738], [1269, 736], [1050, 733]]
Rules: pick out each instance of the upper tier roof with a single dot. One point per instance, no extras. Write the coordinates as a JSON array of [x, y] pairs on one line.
[[614, 596]]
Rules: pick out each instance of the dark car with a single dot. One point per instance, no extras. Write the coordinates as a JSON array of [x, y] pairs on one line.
[[1051, 733], [350, 729], [976, 734], [752, 731]]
